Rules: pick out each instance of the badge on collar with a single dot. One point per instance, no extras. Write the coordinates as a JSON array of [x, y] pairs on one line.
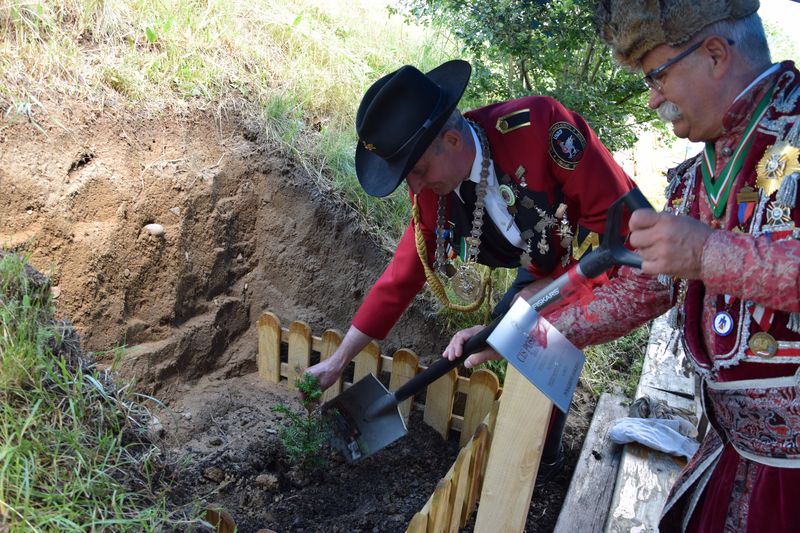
[[566, 145]]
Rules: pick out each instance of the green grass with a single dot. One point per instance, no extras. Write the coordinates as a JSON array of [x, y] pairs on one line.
[[616, 366], [73, 449]]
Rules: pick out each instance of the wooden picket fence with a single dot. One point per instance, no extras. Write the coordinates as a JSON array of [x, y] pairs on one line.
[[454, 499], [285, 353], [441, 397]]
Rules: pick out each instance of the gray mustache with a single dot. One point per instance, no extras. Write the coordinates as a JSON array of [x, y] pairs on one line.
[[669, 112]]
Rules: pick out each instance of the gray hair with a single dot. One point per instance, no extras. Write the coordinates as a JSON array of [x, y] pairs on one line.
[[747, 34], [455, 122]]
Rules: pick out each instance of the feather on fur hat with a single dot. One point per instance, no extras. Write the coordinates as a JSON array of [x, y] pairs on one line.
[[634, 27]]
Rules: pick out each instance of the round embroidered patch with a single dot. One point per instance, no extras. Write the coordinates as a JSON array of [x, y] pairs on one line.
[[566, 145]]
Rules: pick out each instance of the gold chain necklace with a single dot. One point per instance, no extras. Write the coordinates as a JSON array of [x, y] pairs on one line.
[[464, 280]]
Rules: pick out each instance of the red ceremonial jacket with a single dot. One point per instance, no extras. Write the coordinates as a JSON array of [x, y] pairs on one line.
[[561, 160]]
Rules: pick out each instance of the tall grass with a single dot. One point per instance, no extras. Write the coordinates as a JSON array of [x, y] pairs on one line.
[[73, 449]]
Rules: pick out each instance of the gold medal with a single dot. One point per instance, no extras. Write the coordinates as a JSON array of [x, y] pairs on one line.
[[763, 344], [467, 283], [779, 161]]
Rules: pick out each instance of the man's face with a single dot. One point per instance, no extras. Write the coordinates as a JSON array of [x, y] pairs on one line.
[[441, 167], [685, 87]]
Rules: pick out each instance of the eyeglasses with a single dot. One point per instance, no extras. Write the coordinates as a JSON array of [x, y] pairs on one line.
[[651, 78]]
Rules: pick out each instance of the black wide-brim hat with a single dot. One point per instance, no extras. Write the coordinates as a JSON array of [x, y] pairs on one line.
[[399, 117]]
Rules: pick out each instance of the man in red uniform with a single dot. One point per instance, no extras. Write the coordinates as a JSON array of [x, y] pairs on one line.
[[726, 249], [525, 181]]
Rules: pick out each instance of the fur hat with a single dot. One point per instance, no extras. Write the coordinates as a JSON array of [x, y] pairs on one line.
[[634, 27]]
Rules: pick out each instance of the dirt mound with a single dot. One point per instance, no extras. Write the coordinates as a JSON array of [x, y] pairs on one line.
[[170, 235]]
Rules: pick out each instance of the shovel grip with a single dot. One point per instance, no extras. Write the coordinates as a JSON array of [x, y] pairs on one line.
[[476, 343], [613, 252]]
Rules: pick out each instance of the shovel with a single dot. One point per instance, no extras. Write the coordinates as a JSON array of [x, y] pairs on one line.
[[365, 418]]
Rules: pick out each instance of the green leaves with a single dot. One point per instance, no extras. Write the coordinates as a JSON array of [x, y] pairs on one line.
[[519, 48], [304, 434]]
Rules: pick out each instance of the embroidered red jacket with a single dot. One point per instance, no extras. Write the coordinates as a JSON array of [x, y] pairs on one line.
[[751, 270], [563, 161]]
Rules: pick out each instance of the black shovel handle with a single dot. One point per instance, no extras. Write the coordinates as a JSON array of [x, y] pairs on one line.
[[442, 366], [612, 251]]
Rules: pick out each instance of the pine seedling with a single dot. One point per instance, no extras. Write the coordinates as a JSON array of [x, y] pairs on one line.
[[304, 433]]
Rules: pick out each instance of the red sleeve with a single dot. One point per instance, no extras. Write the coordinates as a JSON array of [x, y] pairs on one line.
[[765, 271], [403, 278], [620, 305]]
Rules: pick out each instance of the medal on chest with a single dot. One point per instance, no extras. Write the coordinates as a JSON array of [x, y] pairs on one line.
[[722, 323]]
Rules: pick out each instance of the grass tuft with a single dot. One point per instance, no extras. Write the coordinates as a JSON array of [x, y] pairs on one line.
[[74, 450]]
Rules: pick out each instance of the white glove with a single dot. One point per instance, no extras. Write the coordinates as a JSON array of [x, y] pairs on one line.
[[660, 434]]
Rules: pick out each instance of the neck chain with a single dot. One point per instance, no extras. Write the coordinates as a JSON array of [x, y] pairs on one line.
[[470, 248]]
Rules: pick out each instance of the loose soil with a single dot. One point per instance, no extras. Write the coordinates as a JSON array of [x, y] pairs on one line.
[[245, 230]]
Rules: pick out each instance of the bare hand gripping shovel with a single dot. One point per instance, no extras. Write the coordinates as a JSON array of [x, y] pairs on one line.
[[365, 418]]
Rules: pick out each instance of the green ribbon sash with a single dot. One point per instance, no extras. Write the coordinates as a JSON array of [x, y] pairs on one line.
[[719, 189]]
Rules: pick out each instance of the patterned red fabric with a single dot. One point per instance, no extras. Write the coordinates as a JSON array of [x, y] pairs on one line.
[[719, 490], [588, 190]]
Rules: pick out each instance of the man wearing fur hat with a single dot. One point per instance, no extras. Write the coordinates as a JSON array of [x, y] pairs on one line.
[[726, 250], [520, 182]]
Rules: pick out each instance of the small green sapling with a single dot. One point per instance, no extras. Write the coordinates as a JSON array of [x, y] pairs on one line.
[[304, 433]]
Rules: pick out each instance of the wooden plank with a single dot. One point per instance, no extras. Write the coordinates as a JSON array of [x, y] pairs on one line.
[[643, 483], [645, 476], [477, 462], [330, 341], [367, 362], [483, 387], [586, 505], [404, 367], [665, 374], [268, 359], [299, 351], [517, 445], [439, 403], [439, 518], [458, 491], [418, 524]]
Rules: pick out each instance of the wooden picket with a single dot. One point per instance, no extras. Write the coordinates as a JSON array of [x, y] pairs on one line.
[[480, 390], [453, 501]]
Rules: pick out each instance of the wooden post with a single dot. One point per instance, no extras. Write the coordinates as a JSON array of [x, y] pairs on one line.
[[268, 360], [367, 362], [331, 339], [404, 367], [299, 351], [439, 402], [516, 451], [483, 387], [418, 524]]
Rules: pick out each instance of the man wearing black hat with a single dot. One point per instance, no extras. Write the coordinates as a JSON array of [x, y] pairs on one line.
[[524, 182]]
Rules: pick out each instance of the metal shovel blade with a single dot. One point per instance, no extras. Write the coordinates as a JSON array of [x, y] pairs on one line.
[[355, 436]]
